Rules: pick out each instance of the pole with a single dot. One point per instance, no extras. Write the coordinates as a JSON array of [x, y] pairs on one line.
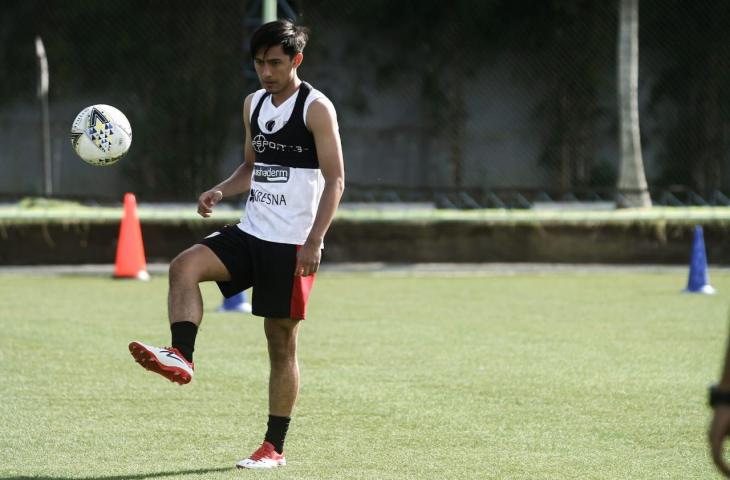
[[268, 11], [632, 184], [45, 121]]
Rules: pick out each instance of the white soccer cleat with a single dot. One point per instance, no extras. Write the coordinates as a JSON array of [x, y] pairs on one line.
[[167, 362], [265, 457]]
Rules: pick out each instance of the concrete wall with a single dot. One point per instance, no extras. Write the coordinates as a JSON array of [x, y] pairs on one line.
[[398, 242], [385, 132]]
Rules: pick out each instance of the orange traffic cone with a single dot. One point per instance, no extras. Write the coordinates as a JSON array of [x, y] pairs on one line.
[[130, 261]]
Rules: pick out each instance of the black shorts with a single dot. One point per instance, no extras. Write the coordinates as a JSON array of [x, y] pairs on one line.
[[268, 267]]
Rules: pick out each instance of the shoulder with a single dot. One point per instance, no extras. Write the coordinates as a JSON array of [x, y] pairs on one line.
[[317, 97], [251, 100], [256, 96], [247, 103], [318, 108]]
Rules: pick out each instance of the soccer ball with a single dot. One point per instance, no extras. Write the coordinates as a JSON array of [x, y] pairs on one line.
[[101, 135]]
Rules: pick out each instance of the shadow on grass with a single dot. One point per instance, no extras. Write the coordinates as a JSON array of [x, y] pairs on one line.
[[138, 476]]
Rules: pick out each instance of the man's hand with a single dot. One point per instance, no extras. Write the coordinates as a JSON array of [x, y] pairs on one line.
[[207, 201], [308, 259], [719, 430]]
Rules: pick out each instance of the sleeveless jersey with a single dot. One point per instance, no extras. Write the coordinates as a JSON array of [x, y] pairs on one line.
[[286, 184]]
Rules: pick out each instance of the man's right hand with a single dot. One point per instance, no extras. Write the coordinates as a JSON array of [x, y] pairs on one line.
[[719, 430], [207, 201]]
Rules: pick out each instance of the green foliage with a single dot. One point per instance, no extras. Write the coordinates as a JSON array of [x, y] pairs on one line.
[[527, 376], [692, 89], [33, 203]]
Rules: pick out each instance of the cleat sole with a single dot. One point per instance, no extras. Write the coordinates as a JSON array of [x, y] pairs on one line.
[[148, 361]]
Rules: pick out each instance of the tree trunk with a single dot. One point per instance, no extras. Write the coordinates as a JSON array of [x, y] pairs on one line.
[[632, 187]]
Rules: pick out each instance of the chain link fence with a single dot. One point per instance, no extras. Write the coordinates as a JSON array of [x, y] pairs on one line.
[[463, 104]]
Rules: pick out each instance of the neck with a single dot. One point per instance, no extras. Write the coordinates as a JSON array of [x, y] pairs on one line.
[[280, 97]]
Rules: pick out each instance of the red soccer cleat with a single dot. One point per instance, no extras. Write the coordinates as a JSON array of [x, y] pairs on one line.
[[265, 457], [167, 362]]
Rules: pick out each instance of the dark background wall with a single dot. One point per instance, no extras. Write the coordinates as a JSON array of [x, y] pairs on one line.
[[488, 94]]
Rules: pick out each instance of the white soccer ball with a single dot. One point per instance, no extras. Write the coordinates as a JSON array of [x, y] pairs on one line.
[[101, 135]]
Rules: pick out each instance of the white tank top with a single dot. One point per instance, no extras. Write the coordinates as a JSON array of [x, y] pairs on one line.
[[284, 193]]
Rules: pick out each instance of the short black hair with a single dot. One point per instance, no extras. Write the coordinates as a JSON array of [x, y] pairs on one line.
[[292, 38]]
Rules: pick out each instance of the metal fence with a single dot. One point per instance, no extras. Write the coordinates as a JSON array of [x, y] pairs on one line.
[[464, 104]]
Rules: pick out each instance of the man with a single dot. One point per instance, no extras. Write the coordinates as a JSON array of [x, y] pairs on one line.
[[293, 168], [720, 425]]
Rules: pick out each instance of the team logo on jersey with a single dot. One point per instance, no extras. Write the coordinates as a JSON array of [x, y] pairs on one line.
[[260, 144], [270, 125], [271, 174]]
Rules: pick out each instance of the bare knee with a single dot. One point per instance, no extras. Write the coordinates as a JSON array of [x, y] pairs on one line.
[[197, 264], [183, 269], [281, 335]]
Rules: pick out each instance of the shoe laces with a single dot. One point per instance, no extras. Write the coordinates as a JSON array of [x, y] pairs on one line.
[[177, 352], [265, 450]]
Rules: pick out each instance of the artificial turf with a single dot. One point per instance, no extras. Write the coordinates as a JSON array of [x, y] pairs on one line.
[[562, 375]]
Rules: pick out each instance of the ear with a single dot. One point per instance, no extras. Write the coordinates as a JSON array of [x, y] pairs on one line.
[[298, 59]]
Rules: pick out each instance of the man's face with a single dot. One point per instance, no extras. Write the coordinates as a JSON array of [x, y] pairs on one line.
[[275, 69]]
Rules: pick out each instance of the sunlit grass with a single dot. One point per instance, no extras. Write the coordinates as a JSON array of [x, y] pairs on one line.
[[529, 376]]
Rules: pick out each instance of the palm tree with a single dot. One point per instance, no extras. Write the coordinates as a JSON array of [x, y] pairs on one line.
[[632, 187]]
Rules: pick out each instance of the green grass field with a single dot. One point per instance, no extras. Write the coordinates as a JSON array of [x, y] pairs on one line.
[[529, 376]]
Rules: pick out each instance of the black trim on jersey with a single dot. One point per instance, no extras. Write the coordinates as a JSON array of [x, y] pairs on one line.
[[292, 145]]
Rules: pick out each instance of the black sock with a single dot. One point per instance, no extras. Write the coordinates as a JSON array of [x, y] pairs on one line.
[[276, 431], [183, 338]]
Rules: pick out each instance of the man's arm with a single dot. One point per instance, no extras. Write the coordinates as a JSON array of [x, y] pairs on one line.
[[720, 425], [322, 121], [240, 180]]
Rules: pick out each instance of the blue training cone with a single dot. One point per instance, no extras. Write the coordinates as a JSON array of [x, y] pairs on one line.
[[699, 281], [236, 303]]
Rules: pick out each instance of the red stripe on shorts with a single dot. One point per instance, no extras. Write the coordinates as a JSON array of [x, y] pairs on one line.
[[299, 295]]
